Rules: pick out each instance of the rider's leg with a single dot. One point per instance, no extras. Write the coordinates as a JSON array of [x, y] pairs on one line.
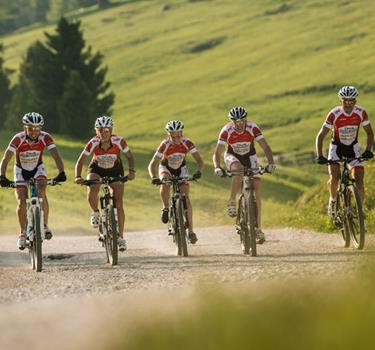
[[185, 189], [333, 181], [118, 194], [236, 181], [93, 192], [21, 195], [42, 194], [358, 173]]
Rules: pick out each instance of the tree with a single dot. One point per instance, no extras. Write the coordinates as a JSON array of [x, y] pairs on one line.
[[5, 90], [46, 76], [103, 3]]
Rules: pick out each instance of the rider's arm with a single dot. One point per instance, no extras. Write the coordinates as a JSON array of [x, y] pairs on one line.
[[219, 150], [4, 162], [267, 150], [319, 140], [56, 156], [152, 167], [79, 165], [370, 136], [129, 156], [199, 160]]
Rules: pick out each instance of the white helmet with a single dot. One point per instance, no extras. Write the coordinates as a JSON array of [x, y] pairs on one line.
[[174, 125], [237, 113], [104, 122], [33, 118], [348, 92]]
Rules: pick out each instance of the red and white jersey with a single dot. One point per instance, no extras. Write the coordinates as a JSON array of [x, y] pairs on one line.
[[174, 155], [106, 159], [240, 143], [346, 126], [29, 153]]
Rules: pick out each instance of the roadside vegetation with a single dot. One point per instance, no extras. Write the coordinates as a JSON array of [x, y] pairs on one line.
[[194, 60]]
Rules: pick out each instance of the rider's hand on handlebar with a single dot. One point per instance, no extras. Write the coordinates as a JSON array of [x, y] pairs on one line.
[[219, 171], [4, 181], [270, 168], [367, 154], [197, 175], [131, 175], [61, 177], [78, 180], [322, 160], [156, 181]]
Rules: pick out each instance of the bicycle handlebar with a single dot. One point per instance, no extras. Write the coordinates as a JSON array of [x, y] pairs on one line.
[[105, 180], [347, 160], [49, 182], [177, 179], [251, 171]]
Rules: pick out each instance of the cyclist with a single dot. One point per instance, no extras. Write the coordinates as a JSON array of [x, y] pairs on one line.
[[106, 148], [28, 146], [236, 138], [344, 121], [170, 157]]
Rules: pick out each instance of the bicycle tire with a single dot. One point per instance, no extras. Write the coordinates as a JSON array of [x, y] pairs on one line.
[[112, 236], [355, 217], [181, 227], [251, 223], [340, 219], [242, 223], [37, 242]]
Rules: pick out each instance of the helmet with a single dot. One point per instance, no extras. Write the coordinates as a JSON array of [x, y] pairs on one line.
[[348, 92], [237, 113], [174, 125], [33, 118], [104, 122]]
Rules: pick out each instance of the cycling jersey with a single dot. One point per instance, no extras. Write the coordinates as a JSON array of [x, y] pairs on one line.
[[173, 156], [28, 152], [106, 159], [240, 144], [346, 126]]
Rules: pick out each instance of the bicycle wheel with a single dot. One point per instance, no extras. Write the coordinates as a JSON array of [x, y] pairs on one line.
[[242, 225], [181, 227], [340, 219], [36, 244], [112, 236], [354, 214], [251, 224]]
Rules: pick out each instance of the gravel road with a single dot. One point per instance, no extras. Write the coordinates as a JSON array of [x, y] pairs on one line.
[[76, 279]]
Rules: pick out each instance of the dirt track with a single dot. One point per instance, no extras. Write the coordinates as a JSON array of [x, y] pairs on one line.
[[76, 278]]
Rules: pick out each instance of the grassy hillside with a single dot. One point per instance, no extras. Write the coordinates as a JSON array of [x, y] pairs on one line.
[[283, 61]]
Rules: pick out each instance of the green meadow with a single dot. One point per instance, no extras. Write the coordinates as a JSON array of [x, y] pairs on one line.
[[283, 61]]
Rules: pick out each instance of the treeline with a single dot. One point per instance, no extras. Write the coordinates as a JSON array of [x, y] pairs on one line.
[[19, 13], [62, 79]]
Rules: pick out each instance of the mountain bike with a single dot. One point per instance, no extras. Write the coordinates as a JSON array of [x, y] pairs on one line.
[[34, 220], [247, 211], [108, 222], [348, 213], [178, 221]]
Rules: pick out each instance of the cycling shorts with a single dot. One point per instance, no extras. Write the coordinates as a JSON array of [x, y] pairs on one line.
[[181, 171], [337, 151], [250, 161], [116, 171], [23, 175]]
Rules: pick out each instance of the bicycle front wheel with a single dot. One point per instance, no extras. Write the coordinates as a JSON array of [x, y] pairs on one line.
[[251, 223], [242, 226], [181, 228], [340, 219], [36, 244], [111, 238], [354, 215]]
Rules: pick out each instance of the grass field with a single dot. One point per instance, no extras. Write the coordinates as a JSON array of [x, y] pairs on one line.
[[283, 61]]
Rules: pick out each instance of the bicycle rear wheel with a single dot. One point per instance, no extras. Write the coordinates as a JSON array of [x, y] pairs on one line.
[[355, 219], [340, 219], [111, 239], [181, 228]]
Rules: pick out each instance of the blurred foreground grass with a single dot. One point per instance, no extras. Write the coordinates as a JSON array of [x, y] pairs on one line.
[[307, 314]]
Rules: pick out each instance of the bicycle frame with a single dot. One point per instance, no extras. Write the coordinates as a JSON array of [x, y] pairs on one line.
[[178, 213], [247, 210]]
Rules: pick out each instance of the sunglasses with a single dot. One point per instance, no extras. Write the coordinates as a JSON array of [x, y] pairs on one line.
[[33, 128]]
